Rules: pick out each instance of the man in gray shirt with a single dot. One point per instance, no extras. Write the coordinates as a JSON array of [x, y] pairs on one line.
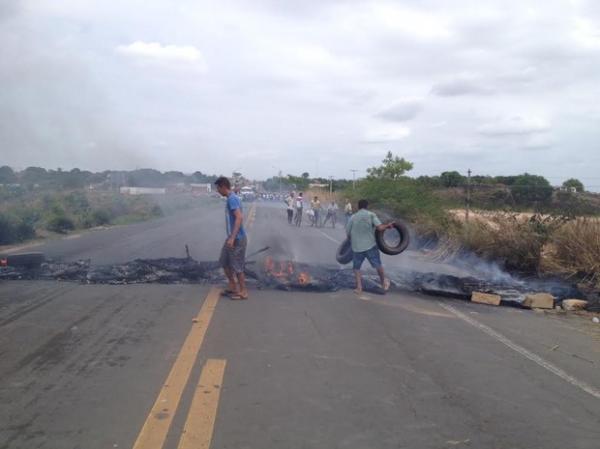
[[361, 229]]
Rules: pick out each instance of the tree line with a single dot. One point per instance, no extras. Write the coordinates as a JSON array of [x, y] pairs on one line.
[[76, 178]]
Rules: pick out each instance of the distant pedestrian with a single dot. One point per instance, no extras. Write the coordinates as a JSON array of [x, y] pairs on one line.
[[332, 210], [315, 205], [289, 201], [310, 213], [233, 253], [348, 210], [299, 208], [361, 229]]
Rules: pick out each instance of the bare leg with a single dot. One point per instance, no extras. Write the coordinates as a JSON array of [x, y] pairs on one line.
[[230, 280], [385, 283], [241, 277], [358, 278]]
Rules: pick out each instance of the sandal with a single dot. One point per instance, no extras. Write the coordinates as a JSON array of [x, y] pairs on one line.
[[238, 296], [228, 292]]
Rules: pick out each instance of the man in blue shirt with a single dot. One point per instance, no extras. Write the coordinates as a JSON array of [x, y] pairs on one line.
[[361, 229], [233, 253]]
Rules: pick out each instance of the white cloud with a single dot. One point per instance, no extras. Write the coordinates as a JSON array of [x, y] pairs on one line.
[[402, 111], [303, 76], [463, 84], [389, 17], [514, 126], [587, 33], [385, 133], [171, 54]]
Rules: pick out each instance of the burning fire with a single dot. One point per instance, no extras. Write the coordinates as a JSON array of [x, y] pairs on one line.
[[285, 271]]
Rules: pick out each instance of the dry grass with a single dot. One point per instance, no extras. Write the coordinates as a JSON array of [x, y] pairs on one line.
[[574, 250], [514, 241]]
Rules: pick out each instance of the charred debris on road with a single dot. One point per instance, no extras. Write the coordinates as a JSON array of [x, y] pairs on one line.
[[280, 274]]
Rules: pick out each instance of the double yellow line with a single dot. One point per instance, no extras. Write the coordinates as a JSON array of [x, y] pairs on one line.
[[200, 422], [201, 417]]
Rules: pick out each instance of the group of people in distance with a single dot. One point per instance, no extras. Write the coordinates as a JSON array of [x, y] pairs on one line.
[[318, 216]]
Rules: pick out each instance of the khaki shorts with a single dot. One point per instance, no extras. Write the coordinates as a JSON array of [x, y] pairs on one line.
[[234, 258]]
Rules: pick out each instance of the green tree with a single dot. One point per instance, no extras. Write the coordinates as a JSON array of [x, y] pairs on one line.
[[34, 175], [7, 175], [452, 179], [574, 183], [392, 167], [528, 189], [297, 182]]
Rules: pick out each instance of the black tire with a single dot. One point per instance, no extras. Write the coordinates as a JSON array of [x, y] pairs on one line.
[[29, 260], [402, 244], [344, 252]]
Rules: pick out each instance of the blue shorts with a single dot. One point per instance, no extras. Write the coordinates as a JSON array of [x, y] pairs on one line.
[[372, 255]]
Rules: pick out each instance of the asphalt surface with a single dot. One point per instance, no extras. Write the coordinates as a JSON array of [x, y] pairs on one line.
[[82, 366]]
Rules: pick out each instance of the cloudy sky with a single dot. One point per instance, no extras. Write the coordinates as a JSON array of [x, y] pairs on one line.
[[326, 86]]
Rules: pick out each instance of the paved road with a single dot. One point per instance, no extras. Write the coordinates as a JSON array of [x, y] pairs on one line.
[[96, 366]]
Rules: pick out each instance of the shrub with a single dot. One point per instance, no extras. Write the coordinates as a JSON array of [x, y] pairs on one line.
[[101, 217], [60, 223], [13, 229], [404, 198], [574, 250], [529, 189], [76, 202]]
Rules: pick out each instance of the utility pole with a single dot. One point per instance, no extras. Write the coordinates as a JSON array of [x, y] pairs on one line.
[[330, 187], [468, 203], [353, 178]]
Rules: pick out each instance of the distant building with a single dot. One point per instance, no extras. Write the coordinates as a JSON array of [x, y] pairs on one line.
[[201, 189], [143, 190]]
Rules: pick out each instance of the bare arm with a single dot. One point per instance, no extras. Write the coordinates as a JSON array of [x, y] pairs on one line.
[[383, 227]]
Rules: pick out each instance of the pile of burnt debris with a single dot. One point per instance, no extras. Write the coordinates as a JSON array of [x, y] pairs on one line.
[[281, 274]]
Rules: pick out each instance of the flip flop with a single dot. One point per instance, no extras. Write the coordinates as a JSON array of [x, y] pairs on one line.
[[227, 292], [238, 296]]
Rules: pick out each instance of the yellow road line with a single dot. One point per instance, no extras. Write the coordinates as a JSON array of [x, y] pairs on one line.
[[198, 429], [158, 422], [251, 216]]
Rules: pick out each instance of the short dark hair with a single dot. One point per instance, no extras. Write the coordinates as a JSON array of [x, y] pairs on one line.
[[222, 181], [363, 204]]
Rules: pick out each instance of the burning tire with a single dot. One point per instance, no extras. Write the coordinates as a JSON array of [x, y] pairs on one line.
[[400, 242], [344, 252]]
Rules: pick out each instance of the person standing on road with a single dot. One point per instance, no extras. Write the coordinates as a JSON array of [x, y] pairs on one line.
[[233, 253], [361, 229], [348, 211], [315, 205], [289, 201], [332, 209], [299, 207]]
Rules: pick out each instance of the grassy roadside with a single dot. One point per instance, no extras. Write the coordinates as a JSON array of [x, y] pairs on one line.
[[30, 216], [524, 243]]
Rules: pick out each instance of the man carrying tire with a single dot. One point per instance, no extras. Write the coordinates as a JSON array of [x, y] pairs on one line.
[[361, 229]]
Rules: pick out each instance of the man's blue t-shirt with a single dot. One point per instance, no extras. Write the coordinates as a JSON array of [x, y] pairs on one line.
[[233, 202]]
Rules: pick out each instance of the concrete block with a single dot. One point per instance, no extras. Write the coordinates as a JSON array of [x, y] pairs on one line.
[[539, 301], [485, 298], [574, 304]]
